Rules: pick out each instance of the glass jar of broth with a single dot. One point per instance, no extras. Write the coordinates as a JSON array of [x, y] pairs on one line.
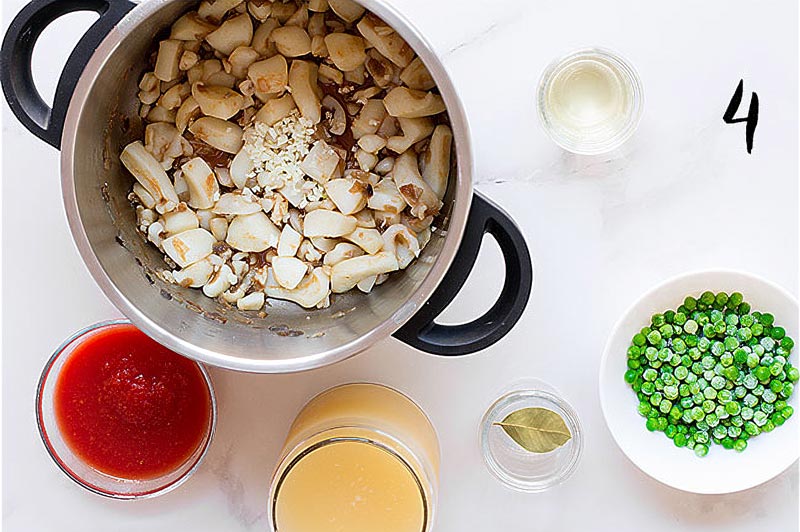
[[358, 458], [590, 102]]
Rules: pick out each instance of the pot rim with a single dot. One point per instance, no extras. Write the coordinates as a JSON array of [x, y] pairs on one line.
[[455, 231]]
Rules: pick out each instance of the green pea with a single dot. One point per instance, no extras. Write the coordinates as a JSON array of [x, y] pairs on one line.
[[707, 298], [740, 445], [735, 300], [767, 408], [777, 333], [766, 319], [769, 426], [752, 429], [690, 303], [651, 424], [769, 396], [760, 418], [712, 420], [700, 450], [752, 360], [666, 330], [778, 419], [727, 443], [732, 408], [757, 329], [747, 413], [793, 374], [654, 337], [788, 388], [787, 412], [762, 373], [787, 343]]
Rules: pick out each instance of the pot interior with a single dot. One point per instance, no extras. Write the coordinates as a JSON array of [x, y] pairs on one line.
[[288, 338]]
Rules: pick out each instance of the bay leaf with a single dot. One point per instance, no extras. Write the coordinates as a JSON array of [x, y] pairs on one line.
[[537, 430]]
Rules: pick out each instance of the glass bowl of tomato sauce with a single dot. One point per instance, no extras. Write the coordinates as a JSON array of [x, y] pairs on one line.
[[122, 415]]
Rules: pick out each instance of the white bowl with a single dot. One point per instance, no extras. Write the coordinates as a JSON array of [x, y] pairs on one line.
[[722, 470]]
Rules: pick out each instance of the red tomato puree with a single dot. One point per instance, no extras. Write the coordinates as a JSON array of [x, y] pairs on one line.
[[130, 407]]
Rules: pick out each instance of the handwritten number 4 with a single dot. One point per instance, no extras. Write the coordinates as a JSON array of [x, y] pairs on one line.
[[752, 115]]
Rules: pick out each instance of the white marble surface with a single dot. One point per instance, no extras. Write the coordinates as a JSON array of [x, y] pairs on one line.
[[683, 196]]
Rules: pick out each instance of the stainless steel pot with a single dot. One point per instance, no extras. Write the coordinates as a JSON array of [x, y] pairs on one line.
[[95, 115]]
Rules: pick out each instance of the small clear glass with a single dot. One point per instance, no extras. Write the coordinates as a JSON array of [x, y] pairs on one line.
[[590, 102], [76, 469], [514, 466]]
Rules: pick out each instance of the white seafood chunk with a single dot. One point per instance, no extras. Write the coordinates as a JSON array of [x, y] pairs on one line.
[[346, 51], [330, 224], [241, 167], [254, 301], [342, 251], [369, 240], [289, 271], [416, 76], [144, 196], [289, 242], [191, 27], [303, 85], [403, 243], [149, 173], [291, 41], [223, 279], [275, 110], [414, 130], [215, 10], [349, 195], [234, 32], [308, 294], [221, 134], [321, 162], [372, 143], [419, 196], [189, 247], [194, 276], [168, 60], [386, 197], [219, 228], [387, 41], [232, 203], [347, 274], [403, 102], [253, 232], [216, 101], [180, 220], [202, 183], [269, 76], [435, 162], [347, 10]]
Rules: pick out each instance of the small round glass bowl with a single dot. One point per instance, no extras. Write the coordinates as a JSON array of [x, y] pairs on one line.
[[620, 80], [520, 469], [82, 473]]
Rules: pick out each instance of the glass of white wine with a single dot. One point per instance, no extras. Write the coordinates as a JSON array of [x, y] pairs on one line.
[[590, 102]]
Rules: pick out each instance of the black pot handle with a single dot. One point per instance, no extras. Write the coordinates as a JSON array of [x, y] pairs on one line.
[[423, 333], [17, 52]]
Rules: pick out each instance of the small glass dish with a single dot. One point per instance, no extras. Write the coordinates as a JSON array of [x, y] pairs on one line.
[[571, 92], [520, 469], [79, 471]]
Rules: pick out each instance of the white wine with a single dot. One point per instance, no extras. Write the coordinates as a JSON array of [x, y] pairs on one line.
[[590, 101]]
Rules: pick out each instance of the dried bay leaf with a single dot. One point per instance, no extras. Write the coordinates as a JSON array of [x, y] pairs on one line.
[[537, 430]]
